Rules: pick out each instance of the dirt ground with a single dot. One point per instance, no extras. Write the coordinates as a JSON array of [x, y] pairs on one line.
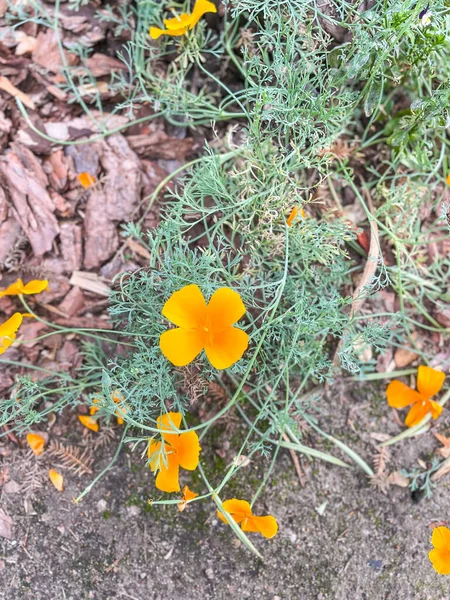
[[112, 545]]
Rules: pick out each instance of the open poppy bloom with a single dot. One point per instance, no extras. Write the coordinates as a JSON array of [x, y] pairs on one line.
[[33, 287], [241, 512], [429, 383], [181, 25], [187, 495], [8, 331], [440, 555], [181, 450], [202, 326]]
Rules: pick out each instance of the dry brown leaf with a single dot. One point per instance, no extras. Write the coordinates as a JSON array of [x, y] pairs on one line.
[[396, 478], [444, 470], [6, 524], [11, 89], [445, 441], [135, 247], [403, 357]]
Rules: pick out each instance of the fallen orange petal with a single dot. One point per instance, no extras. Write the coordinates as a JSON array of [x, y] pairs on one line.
[[88, 422], [187, 495], [36, 443], [57, 479], [86, 180]]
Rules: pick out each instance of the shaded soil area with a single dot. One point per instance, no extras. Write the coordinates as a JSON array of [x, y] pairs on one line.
[[362, 544]]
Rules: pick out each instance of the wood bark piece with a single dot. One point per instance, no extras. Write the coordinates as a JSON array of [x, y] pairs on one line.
[[9, 229], [101, 238], [90, 282], [11, 89], [102, 64], [158, 145], [26, 182]]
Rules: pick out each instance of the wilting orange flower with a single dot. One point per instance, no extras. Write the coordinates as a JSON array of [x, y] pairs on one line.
[[181, 24], [447, 179], [293, 214], [117, 399], [88, 422], [36, 443], [8, 331], [86, 180], [187, 495], [202, 326], [57, 479], [429, 383], [440, 555], [241, 512], [181, 450], [33, 287]]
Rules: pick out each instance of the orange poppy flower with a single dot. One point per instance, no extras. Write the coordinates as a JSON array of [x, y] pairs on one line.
[[89, 422], [293, 214], [86, 180], [8, 331], [202, 326], [241, 512], [429, 383], [187, 495], [181, 24], [36, 443], [33, 287], [440, 555], [181, 450]]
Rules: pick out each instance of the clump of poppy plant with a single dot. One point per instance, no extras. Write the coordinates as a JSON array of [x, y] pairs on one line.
[[429, 383]]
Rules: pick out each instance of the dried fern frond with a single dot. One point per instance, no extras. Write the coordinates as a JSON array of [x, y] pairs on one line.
[[103, 438], [34, 479], [73, 458], [217, 393], [380, 479]]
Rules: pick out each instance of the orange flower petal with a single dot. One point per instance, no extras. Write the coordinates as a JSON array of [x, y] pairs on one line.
[[8, 331], [57, 479], [429, 381], [86, 180], [188, 494], [224, 309], [292, 216], [418, 411], [188, 450], [440, 538], [227, 348], [36, 443], [435, 409], [153, 455], [440, 559], [177, 22], [119, 420], [13, 290], [169, 422], [238, 509], [35, 287], [266, 526], [167, 478], [181, 346], [88, 422], [400, 395], [186, 308], [200, 8]]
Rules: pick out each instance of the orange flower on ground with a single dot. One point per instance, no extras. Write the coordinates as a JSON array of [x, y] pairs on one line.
[[186, 495], [57, 479], [36, 443], [180, 25], [33, 287], [88, 422], [204, 327], [86, 180], [440, 555], [241, 512], [429, 383], [181, 450], [8, 331]]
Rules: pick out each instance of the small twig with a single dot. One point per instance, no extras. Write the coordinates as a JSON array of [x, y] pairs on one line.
[[296, 462]]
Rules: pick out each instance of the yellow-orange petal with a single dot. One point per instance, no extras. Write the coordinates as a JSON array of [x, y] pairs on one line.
[[447, 179], [88, 422], [57, 479], [167, 478], [224, 309], [181, 346], [8, 331], [93, 410], [400, 395], [238, 509], [36, 443], [86, 180], [435, 409], [440, 559], [13, 290], [440, 538], [156, 32], [188, 450], [429, 381], [177, 22], [36, 286], [266, 526], [188, 494], [418, 411], [153, 454], [186, 307], [168, 423], [200, 8], [227, 348], [119, 420], [292, 216]]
